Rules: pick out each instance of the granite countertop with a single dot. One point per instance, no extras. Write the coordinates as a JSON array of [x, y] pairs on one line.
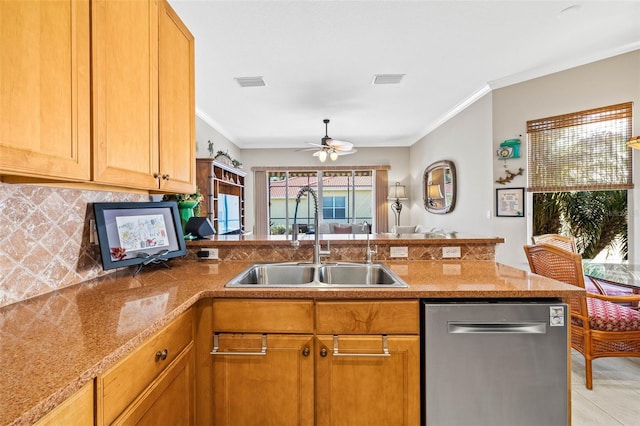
[[54, 344]]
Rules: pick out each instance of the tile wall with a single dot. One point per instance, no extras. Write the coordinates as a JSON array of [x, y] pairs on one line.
[[44, 238]]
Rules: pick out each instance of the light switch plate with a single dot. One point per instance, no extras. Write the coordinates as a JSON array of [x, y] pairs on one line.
[[399, 251], [450, 252]]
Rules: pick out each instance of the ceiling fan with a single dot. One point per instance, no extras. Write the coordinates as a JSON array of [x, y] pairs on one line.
[[330, 147]]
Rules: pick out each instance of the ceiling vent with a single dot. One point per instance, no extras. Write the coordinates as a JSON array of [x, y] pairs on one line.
[[387, 78], [250, 81]]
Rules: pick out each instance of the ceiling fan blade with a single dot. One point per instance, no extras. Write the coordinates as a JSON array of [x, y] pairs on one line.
[[341, 145]]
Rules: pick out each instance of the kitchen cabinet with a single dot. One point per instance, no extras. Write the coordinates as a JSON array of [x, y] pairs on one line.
[[216, 181], [176, 104], [115, 108], [278, 345], [126, 65], [263, 362], [45, 84], [368, 368], [77, 410], [155, 381]]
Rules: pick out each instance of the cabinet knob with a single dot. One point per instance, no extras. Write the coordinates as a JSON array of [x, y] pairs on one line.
[[162, 355], [323, 352], [166, 177], [306, 351], [156, 175]]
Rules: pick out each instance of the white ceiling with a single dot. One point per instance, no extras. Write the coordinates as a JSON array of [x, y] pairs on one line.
[[318, 59]]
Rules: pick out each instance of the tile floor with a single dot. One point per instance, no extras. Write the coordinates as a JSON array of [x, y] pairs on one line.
[[615, 397]]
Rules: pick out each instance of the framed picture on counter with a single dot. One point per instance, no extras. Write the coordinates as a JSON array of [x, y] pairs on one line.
[[510, 202]]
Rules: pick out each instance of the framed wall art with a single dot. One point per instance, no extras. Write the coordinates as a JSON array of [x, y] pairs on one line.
[[510, 202]]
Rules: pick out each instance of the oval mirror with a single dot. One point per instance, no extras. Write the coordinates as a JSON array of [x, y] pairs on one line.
[[439, 187]]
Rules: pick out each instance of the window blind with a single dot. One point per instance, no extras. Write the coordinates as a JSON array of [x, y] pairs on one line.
[[581, 151]]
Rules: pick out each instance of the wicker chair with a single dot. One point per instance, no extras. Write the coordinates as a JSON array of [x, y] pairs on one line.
[[564, 242], [599, 328], [593, 285]]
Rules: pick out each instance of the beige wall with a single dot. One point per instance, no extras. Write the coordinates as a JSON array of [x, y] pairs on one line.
[[471, 138], [607, 82], [466, 140]]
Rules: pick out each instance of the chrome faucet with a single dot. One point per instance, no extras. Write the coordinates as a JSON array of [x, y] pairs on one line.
[[317, 252], [366, 227]]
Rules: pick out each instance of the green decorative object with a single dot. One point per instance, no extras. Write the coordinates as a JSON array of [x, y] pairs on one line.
[[185, 208]]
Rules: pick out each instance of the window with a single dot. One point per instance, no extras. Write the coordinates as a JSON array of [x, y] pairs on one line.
[[579, 167], [583, 150], [334, 208], [344, 196]]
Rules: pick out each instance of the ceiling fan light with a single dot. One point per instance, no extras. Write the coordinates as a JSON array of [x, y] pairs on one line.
[[333, 155], [322, 156]]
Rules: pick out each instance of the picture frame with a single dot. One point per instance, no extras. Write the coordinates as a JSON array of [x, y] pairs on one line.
[[138, 233], [510, 202]]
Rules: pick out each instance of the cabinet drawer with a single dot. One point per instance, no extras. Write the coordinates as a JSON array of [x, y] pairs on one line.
[[119, 386], [263, 316], [368, 317]]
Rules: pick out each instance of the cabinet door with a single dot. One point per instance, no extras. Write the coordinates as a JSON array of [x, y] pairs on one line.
[[264, 390], [125, 92], [77, 410], [44, 82], [170, 399], [177, 104], [369, 389]]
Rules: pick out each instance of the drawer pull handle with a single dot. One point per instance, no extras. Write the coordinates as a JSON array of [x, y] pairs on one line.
[[162, 355], [384, 353], [216, 347]]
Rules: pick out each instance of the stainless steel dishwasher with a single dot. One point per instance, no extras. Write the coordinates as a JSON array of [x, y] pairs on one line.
[[495, 363]]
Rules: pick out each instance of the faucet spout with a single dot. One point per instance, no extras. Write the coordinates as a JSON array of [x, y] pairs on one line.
[[366, 227], [316, 243]]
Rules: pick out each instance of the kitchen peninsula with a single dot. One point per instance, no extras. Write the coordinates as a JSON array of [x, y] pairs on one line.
[[55, 344]]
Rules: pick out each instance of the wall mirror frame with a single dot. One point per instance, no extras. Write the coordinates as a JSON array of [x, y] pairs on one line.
[[439, 187]]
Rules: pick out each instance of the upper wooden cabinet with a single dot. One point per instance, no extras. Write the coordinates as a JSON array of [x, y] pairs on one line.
[[45, 89], [177, 103], [117, 108], [142, 70], [124, 59]]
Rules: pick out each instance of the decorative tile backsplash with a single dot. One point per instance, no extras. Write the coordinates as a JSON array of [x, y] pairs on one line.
[[44, 238]]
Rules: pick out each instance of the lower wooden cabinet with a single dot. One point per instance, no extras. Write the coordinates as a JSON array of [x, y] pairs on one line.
[[263, 380], [338, 363], [170, 400], [155, 384], [77, 410], [368, 380]]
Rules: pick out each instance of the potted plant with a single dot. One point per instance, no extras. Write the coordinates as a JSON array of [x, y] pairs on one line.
[[188, 205]]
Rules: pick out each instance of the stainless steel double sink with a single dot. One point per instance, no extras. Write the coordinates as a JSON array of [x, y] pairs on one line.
[[329, 275]]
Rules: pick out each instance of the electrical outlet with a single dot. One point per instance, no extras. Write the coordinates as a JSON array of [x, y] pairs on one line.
[[208, 253], [399, 251], [450, 252]]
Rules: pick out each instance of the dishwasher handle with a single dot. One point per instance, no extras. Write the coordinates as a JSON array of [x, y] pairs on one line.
[[467, 327]]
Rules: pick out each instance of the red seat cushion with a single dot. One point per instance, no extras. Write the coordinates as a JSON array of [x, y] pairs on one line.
[[607, 316], [342, 229]]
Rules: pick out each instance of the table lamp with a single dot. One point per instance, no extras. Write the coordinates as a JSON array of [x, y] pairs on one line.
[[397, 192]]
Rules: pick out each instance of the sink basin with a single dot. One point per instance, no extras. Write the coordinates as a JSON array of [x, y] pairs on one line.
[[355, 274], [342, 274], [275, 274]]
